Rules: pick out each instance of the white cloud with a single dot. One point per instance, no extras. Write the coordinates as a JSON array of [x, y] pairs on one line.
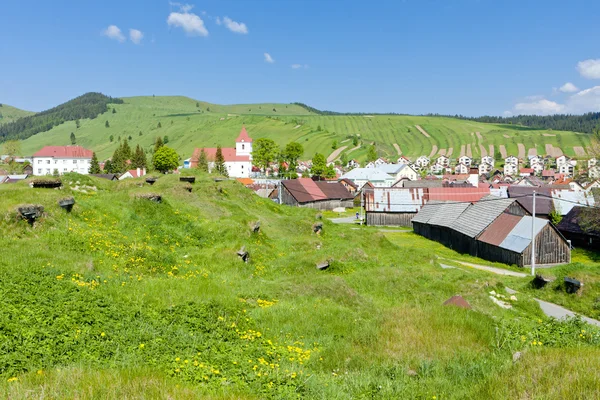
[[587, 100], [296, 66], [189, 22], [136, 36], [182, 7], [568, 88], [218, 21], [268, 58], [589, 68], [113, 32], [539, 107], [237, 27]]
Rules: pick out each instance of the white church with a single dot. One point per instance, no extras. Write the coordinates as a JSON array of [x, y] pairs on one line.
[[238, 160]]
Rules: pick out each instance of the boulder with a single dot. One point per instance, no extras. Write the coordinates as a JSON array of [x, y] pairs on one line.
[[322, 266], [67, 203], [31, 212]]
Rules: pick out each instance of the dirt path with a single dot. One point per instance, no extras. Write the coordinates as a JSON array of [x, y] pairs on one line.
[[442, 152], [506, 136], [462, 150], [579, 151], [335, 154], [491, 152], [532, 152], [521, 148], [482, 150], [547, 134], [503, 151], [434, 150], [397, 148], [297, 126], [354, 148], [422, 131], [479, 136], [343, 141], [469, 152], [450, 150]]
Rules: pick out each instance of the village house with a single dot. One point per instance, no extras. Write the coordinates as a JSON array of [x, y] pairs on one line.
[[403, 160], [592, 162], [526, 172], [570, 227], [360, 176], [511, 160], [422, 161], [443, 161], [133, 173], [393, 206], [510, 169], [398, 171], [485, 168], [238, 159], [321, 195], [534, 160], [567, 169], [461, 168], [377, 163], [353, 164], [61, 159], [561, 160], [488, 159], [594, 172], [465, 160], [437, 169]]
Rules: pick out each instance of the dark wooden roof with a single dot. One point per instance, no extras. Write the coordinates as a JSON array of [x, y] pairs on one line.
[[570, 223], [110, 177], [305, 190], [524, 194]]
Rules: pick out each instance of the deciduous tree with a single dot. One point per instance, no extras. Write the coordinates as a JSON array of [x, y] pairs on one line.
[[319, 164], [165, 159], [264, 153]]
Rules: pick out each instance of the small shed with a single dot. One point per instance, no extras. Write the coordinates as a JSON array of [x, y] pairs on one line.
[[321, 195], [393, 206], [571, 227]]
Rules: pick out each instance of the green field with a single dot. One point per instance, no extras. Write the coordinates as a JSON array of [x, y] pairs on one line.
[[9, 113], [188, 127], [126, 298]]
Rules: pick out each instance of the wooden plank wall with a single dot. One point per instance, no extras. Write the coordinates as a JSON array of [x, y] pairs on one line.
[[390, 219]]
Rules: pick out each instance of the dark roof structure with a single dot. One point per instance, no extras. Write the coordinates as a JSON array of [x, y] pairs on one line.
[[543, 203], [570, 223], [110, 177], [481, 214], [305, 190]]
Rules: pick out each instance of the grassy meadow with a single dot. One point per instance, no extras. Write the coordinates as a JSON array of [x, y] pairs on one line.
[[190, 124], [127, 298], [9, 113]]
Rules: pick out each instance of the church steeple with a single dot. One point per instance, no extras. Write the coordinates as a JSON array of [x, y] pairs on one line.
[[243, 144]]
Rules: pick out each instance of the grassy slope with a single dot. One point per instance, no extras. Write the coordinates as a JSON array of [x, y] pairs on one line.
[[123, 290], [188, 127], [9, 113]]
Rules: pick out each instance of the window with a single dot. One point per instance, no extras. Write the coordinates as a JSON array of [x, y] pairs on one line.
[[39, 161], [74, 161], [64, 169], [47, 161], [39, 170], [243, 146], [55, 161]]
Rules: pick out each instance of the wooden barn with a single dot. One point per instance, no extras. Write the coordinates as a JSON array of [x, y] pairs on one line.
[[392, 206], [571, 228], [321, 195], [494, 229]]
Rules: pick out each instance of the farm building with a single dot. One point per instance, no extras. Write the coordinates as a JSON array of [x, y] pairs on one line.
[[571, 228], [494, 229], [393, 206], [322, 195], [397, 206]]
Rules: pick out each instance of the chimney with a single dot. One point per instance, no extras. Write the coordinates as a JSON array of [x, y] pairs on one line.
[[138, 172]]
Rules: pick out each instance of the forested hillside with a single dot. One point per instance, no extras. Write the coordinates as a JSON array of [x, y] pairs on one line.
[[89, 105]]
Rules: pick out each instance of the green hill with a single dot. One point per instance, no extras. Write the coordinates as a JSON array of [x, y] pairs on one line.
[[189, 123], [127, 298], [10, 114]]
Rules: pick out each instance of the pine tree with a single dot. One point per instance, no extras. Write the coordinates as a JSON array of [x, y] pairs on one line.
[[119, 162], [77, 124], [158, 144], [126, 150], [73, 139], [114, 111], [166, 139], [106, 124], [139, 158], [159, 125], [108, 167], [203, 161], [220, 167], [94, 165]]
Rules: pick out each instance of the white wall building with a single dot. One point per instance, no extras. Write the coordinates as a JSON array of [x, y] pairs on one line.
[[62, 159], [465, 160], [511, 169], [238, 160], [488, 159], [485, 168], [360, 176], [511, 160], [422, 161], [443, 161]]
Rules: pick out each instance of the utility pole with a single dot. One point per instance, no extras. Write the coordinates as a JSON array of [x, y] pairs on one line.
[[533, 238]]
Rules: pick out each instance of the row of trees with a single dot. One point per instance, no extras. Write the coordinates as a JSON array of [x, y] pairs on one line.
[[118, 163]]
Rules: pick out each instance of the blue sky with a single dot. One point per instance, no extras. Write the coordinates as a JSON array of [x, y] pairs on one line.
[[414, 56]]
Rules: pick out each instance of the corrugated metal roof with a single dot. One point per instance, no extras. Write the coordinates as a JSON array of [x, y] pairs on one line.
[[391, 169], [543, 204], [370, 174], [520, 237], [427, 212], [423, 183], [499, 229], [395, 199], [469, 194], [306, 190], [565, 200], [448, 213], [478, 216]]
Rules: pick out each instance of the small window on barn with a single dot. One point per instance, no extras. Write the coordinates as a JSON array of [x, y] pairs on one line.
[[243, 146]]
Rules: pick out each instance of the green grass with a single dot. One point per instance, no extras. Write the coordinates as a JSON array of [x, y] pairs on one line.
[[188, 127], [9, 113], [112, 299]]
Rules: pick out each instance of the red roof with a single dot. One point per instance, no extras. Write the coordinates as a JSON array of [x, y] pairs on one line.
[[306, 190], [527, 170], [548, 173], [134, 173], [229, 154], [243, 137], [245, 181], [458, 194], [499, 229], [64, 152]]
